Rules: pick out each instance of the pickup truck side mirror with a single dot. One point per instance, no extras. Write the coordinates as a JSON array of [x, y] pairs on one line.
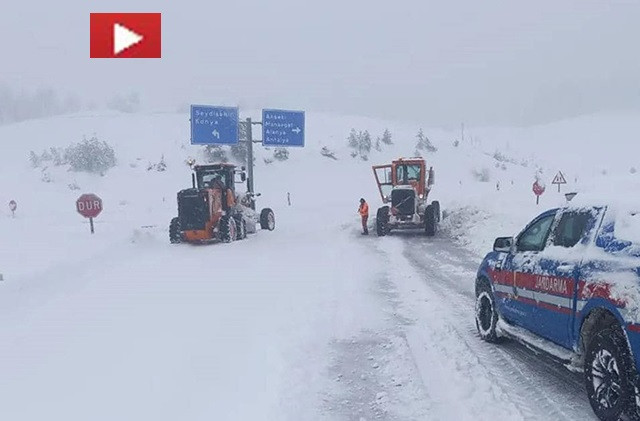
[[503, 244]]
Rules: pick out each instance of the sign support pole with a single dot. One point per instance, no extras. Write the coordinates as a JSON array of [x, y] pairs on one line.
[[91, 223], [249, 155]]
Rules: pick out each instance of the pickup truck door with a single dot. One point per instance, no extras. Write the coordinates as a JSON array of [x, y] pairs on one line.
[[553, 281], [529, 244]]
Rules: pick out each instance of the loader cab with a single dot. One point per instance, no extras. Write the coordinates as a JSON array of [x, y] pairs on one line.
[[408, 174], [205, 176]]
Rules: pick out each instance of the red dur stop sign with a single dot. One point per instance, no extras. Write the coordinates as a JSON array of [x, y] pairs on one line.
[[538, 189], [89, 205]]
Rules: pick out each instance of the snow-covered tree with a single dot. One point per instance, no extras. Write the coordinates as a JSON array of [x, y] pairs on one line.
[[240, 153], [353, 139], [365, 144], [377, 144], [361, 143], [215, 153], [424, 143], [34, 159], [386, 137], [90, 155]]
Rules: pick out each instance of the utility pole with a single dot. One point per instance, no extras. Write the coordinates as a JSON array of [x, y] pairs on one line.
[[462, 131]]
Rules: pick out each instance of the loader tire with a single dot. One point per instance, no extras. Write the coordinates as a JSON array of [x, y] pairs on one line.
[[436, 206], [430, 221], [228, 229], [174, 231], [267, 219], [241, 226], [382, 221]]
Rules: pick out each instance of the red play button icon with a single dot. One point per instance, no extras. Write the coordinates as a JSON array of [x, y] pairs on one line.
[[125, 35]]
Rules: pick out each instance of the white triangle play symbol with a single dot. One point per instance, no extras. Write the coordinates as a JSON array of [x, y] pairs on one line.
[[124, 38]]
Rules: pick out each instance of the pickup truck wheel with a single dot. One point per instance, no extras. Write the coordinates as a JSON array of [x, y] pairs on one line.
[[608, 374], [486, 313]]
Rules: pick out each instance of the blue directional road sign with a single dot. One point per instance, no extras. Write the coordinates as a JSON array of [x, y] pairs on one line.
[[214, 125], [282, 128]]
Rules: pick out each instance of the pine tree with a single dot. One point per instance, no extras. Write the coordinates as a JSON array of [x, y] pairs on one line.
[[377, 145], [353, 139], [364, 142], [34, 159], [386, 137], [424, 143]]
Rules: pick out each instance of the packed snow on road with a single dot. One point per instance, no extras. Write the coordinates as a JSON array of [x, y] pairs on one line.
[[310, 321]]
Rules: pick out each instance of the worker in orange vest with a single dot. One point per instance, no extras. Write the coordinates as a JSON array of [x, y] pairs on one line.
[[363, 210]]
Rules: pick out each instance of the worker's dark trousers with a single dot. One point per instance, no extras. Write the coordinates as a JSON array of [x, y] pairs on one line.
[[364, 224]]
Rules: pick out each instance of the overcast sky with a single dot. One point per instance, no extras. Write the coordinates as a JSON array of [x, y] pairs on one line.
[[436, 62]]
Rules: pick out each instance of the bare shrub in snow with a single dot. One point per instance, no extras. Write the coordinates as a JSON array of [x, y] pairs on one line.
[[90, 155], [160, 166], [46, 177], [483, 174], [326, 152], [633, 170], [281, 154], [456, 143], [74, 186]]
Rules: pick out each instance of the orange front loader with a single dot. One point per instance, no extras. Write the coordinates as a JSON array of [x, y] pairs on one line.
[[210, 210]]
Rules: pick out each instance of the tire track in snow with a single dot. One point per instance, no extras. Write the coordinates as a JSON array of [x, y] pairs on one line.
[[373, 373], [557, 393]]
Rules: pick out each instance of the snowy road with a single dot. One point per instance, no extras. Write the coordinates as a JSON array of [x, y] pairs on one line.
[[429, 287], [277, 327]]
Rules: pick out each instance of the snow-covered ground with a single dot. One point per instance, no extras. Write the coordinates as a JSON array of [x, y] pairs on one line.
[[310, 321]]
